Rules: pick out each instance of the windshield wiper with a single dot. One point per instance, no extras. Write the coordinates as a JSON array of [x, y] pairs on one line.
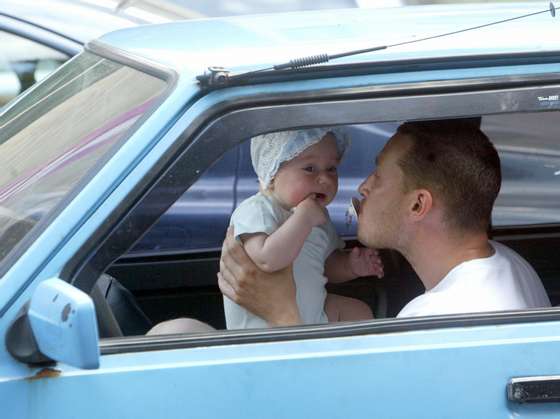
[[218, 77]]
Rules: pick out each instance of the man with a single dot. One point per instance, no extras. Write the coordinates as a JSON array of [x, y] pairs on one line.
[[430, 198]]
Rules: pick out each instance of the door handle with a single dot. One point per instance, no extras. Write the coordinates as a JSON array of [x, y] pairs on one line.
[[543, 389]]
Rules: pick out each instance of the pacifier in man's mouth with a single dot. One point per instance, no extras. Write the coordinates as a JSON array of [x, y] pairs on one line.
[[352, 211]]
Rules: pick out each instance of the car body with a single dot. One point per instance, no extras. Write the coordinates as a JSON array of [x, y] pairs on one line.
[[99, 150]]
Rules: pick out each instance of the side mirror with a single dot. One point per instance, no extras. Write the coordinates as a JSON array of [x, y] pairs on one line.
[[58, 325]]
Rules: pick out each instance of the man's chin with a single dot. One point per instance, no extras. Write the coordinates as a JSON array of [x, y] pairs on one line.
[[364, 239], [369, 240]]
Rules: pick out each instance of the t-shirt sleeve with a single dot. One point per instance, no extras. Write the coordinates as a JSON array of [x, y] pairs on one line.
[[254, 216]]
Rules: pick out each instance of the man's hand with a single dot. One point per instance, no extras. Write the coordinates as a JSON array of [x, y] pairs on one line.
[[271, 296], [365, 262]]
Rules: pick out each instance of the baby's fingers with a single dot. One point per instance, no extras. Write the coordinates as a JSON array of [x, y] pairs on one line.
[[376, 263]]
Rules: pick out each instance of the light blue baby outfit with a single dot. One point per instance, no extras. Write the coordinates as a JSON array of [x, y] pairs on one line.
[[262, 214]]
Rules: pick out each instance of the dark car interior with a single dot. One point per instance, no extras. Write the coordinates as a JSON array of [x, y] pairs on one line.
[[148, 291], [141, 290]]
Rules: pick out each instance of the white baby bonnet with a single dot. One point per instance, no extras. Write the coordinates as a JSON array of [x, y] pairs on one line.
[[269, 151]]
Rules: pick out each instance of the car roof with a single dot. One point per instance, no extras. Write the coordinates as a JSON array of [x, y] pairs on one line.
[[249, 42]]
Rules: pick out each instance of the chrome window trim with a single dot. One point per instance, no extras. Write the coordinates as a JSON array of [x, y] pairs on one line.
[[121, 345], [130, 60], [406, 107]]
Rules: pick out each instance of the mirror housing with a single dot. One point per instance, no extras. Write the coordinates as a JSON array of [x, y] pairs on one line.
[[57, 325]]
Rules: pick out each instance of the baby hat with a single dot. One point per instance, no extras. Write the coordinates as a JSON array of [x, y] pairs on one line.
[[269, 151]]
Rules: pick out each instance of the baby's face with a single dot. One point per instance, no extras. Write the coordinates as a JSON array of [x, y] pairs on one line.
[[313, 172]]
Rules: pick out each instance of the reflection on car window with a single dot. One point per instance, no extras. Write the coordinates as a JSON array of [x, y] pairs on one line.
[[22, 63], [199, 219], [530, 156], [50, 139], [526, 143]]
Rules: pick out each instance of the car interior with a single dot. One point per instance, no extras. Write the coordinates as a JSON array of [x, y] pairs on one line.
[[139, 290]]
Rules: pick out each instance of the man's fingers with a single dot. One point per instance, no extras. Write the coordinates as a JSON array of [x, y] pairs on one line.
[[226, 274], [226, 288], [229, 234], [233, 254], [236, 252]]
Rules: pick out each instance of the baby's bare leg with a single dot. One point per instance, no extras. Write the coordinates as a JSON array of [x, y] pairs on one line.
[[345, 309]]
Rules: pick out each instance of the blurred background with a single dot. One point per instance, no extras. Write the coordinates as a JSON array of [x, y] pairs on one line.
[[202, 8]]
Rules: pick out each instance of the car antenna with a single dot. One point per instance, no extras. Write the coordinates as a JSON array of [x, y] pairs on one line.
[[220, 77]]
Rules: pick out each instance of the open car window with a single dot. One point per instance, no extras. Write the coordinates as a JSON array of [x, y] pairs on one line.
[[530, 169], [530, 158], [182, 283]]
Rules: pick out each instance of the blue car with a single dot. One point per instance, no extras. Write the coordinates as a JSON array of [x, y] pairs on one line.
[[121, 168]]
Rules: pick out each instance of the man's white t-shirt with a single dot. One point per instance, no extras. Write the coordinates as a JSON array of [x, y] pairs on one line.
[[503, 281]]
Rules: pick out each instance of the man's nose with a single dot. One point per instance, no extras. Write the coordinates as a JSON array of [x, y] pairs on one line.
[[362, 189]]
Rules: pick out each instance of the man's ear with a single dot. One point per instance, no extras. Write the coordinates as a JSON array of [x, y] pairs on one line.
[[421, 203]]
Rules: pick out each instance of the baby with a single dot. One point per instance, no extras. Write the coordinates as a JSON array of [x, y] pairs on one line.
[[287, 222]]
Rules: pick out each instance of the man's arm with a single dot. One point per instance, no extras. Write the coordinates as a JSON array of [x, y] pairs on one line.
[[271, 296]]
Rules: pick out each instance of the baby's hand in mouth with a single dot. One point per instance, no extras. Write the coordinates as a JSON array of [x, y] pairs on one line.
[[313, 211]]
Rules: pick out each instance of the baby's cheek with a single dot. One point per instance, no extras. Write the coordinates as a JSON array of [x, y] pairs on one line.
[[297, 194]]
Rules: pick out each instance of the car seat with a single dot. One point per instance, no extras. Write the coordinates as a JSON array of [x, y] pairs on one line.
[[118, 313]]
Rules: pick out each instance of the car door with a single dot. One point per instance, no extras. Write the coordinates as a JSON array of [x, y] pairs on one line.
[[451, 366]]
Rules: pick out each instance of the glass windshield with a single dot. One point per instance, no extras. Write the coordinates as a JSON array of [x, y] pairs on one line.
[[51, 139]]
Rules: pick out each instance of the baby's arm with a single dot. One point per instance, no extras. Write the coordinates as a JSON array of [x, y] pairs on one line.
[[343, 266], [279, 249]]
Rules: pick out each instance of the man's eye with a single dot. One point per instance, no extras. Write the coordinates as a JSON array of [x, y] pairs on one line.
[[309, 169], [332, 169]]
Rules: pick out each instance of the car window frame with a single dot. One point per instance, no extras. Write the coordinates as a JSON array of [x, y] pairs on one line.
[[258, 115]]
